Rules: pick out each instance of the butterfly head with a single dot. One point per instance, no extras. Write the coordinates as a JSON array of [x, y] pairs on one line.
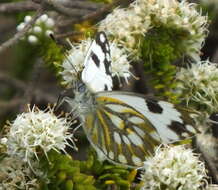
[[79, 88], [81, 97]]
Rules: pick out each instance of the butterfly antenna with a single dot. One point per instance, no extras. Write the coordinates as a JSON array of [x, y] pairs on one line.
[[66, 57], [69, 42]]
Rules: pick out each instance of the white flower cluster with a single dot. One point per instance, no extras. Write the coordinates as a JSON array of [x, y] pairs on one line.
[[120, 66], [173, 168], [126, 25], [74, 62], [199, 84], [43, 27], [35, 131], [15, 174]]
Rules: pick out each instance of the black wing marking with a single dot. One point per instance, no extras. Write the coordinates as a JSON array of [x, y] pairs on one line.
[[97, 71], [102, 41]]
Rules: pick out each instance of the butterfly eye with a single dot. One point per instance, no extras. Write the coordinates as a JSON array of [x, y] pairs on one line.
[[81, 88]]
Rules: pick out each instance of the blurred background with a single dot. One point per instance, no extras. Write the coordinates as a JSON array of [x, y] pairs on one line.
[[28, 75]]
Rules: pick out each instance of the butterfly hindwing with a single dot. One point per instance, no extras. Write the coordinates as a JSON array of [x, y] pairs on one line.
[[172, 123], [97, 65], [126, 127]]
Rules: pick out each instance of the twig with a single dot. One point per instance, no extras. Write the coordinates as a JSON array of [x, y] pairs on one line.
[[12, 81], [20, 34], [73, 12], [18, 7], [30, 88], [14, 7], [82, 5], [60, 8], [67, 34], [8, 106], [15, 103], [19, 85], [89, 16]]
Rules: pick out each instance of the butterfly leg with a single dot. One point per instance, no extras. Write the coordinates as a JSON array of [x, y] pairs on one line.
[[60, 101]]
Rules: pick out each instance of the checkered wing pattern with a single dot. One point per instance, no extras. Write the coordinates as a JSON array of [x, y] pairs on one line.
[[126, 127], [97, 65]]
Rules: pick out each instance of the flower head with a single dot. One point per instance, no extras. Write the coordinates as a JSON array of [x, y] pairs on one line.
[[119, 62], [37, 130], [127, 26], [74, 62], [173, 168], [15, 174], [199, 84]]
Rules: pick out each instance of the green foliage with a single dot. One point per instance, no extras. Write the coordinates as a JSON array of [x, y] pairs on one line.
[[159, 49], [64, 173], [26, 56], [108, 174], [210, 10], [54, 56]]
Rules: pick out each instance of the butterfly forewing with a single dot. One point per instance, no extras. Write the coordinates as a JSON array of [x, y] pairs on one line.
[[97, 66]]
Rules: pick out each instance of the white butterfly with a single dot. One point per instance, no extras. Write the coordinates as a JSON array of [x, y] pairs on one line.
[[125, 127]]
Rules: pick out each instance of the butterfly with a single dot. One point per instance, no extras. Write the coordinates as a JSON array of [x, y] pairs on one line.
[[123, 127]]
